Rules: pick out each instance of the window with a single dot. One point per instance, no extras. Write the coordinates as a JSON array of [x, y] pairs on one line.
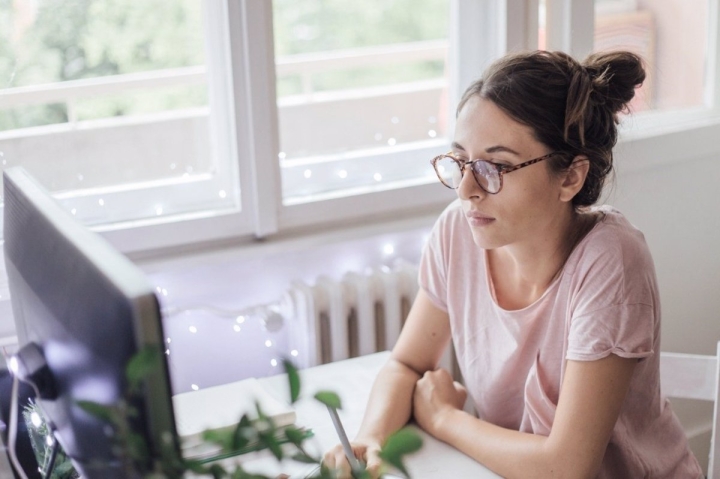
[[360, 84], [108, 104], [671, 36], [170, 122]]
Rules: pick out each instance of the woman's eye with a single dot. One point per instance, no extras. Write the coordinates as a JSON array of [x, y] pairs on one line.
[[501, 163]]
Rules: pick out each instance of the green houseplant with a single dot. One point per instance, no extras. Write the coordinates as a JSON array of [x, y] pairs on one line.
[[254, 432]]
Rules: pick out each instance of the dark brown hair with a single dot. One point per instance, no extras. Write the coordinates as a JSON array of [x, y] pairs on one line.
[[571, 107]]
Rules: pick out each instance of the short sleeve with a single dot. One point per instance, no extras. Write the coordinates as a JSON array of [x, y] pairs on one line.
[[432, 274], [615, 307], [626, 330]]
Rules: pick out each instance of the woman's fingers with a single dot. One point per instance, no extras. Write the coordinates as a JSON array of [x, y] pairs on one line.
[[336, 460], [462, 393], [372, 461]]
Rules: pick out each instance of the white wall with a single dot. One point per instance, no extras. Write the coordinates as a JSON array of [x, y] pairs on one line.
[[676, 205]]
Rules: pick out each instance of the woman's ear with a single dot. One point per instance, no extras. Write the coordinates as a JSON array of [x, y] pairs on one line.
[[573, 178]]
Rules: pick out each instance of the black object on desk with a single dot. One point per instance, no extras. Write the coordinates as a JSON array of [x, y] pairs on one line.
[[23, 447]]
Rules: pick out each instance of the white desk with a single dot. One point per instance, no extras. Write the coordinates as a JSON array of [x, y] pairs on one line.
[[351, 380]]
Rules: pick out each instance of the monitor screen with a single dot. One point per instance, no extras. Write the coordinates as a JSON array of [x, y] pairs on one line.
[[89, 309]]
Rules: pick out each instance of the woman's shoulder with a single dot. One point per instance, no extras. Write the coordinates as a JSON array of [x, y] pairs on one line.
[[613, 239], [453, 211], [451, 218]]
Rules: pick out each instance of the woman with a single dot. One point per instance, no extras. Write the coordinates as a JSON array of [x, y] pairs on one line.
[[552, 304]]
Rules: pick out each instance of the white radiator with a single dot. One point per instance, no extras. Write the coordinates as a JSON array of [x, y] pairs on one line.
[[359, 314]]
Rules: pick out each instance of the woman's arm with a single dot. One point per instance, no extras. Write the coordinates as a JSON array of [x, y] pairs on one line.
[[423, 339], [590, 400]]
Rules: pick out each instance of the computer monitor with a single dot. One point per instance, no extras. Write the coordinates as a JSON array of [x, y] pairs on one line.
[[89, 309]]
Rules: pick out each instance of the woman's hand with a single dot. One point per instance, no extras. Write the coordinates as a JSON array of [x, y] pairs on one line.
[[367, 451], [435, 394]]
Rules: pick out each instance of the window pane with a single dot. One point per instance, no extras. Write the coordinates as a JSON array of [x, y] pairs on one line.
[[671, 35], [358, 80], [106, 103]]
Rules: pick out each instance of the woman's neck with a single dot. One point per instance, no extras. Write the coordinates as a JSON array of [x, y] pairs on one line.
[[522, 272]]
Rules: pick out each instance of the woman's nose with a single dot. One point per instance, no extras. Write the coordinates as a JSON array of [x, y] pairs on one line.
[[469, 187]]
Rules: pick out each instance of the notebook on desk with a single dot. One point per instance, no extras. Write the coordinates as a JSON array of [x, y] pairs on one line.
[[219, 408]]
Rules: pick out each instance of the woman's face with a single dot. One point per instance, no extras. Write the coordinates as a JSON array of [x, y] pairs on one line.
[[528, 205]]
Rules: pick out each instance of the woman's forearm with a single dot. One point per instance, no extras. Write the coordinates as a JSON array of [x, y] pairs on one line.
[[390, 404], [506, 452]]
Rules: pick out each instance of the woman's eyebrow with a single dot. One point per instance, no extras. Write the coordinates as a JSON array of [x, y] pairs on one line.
[[501, 149], [493, 149]]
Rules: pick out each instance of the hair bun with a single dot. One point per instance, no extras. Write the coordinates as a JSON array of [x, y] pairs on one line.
[[614, 77]]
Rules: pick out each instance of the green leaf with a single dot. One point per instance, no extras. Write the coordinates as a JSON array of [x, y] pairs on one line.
[[240, 473], [362, 474], [243, 434], [402, 442], [137, 447], [217, 471], [294, 435], [293, 380], [304, 458], [261, 416], [141, 365], [221, 437], [105, 413], [269, 441], [196, 466], [326, 472], [329, 398]]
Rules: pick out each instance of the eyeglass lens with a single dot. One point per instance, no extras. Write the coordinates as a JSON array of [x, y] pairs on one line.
[[485, 174]]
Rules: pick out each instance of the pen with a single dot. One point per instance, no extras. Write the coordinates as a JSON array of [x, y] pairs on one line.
[[354, 463]]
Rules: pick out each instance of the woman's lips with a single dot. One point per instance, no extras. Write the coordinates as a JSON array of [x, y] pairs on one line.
[[478, 219]]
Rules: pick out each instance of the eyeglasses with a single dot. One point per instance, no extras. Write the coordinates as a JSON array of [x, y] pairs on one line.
[[488, 175]]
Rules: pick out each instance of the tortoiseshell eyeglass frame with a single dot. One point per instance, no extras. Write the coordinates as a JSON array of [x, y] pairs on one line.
[[501, 169]]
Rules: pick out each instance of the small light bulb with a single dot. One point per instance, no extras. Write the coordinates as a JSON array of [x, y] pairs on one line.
[[195, 387], [273, 362], [294, 352], [13, 365], [377, 177], [395, 120], [388, 249], [49, 441], [236, 328], [432, 133], [158, 210], [342, 173], [73, 211], [268, 343], [391, 141], [281, 155], [36, 419], [101, 202], [307, 173], [193, 329], [240, 319], [222, 194]]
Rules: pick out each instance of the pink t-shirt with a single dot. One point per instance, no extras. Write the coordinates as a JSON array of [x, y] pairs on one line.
[[605, 301]]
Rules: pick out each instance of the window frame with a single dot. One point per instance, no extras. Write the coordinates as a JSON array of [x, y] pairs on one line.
[[247, 130]]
